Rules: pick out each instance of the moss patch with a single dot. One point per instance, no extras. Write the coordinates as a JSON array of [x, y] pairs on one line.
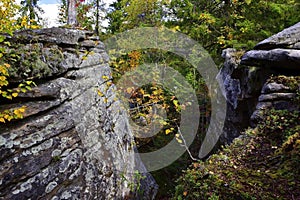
[[293, 82], [32, 61]]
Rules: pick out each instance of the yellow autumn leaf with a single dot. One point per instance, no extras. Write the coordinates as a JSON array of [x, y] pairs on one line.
[[6, 65], [22, 109], [105, 77], [14, 94], [2, 78], [34, 27], [109, 84], [175, 102], [176, 28], [168, 131], [196, 165], [129, 90], [3, 70], [100, 93], [164, 123], [179, 140], [17, 112], [2, 120], [247, 2], [142, 91], [6, 116]]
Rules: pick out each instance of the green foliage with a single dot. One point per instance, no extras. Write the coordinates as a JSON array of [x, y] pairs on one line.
[[84, 20], [88, 14], [63, 12], [280, 124], [145, 101], [56, 158], [8, 58], [262, 164], [216, 25], [115, 17], [30, 12], [8, 12], [292, 82], [129, 14], [135, 184], [240, 24], [9, 23]]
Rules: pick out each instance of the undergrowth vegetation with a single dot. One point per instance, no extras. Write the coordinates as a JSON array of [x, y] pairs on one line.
[[263, 163]]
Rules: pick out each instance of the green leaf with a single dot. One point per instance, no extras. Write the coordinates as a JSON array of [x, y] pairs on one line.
[[28, 82], [7, 43], [175, 102]]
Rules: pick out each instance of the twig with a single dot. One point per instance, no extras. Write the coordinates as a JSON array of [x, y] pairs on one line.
[[185, 146]]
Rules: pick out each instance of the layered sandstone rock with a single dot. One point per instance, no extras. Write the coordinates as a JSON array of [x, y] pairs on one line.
[[75, 141]]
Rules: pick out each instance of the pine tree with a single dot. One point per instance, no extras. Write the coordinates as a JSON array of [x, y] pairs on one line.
[[32, 11]]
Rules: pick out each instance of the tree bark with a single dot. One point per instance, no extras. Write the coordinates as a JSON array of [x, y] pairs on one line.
[[72, 13], [97, 17]]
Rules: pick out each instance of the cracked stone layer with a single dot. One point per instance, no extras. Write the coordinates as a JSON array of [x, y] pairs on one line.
[[71, 143]]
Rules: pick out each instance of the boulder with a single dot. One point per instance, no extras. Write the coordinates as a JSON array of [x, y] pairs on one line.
[[280, 51], [289, 38], [283, 59]]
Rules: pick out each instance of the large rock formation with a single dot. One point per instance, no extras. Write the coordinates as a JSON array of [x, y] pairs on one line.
[[74, 141], [241, 87], [280, 52], [264, 78]]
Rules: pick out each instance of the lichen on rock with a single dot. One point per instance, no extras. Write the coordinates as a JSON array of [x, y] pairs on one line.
[[71, 143]]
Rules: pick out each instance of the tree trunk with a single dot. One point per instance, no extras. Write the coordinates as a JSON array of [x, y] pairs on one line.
[[72, 13], [97, 17]]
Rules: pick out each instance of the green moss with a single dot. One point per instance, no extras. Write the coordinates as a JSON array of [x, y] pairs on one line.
[[56, 158], [262, 164], [293, 82], [31, 62]]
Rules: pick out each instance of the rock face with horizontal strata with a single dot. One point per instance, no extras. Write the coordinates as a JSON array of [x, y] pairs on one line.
[[281, 51], [72, 143], [265, 78]]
